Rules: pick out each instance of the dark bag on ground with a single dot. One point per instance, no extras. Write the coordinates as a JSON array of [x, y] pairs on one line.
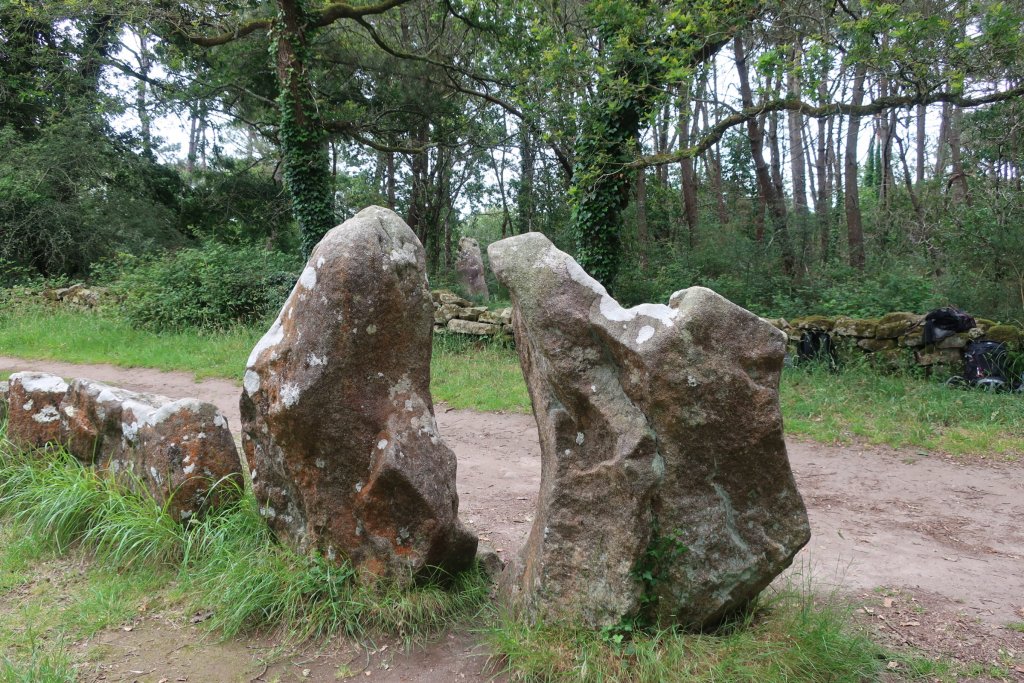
[[816, 345], [986, 362], [945, 322]]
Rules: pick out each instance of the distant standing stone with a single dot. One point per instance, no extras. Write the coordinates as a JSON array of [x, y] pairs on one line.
[[470, 267], [666, 490], [338, 422]]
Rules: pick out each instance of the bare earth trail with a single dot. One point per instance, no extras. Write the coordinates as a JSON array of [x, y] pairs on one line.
[[949, 533]]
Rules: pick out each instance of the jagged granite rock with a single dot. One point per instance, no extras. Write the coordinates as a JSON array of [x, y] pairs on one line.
[[666, 491], [470, 268], [338, 422], [180, 451], [33, 413]]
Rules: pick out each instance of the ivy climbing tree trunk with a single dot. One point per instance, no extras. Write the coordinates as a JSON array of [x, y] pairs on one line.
[[303, 137]]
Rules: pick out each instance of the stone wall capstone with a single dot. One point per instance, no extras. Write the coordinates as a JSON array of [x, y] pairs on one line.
[[180, 451]]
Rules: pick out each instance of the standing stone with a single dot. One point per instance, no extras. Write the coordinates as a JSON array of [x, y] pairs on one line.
[[338, 423], [470, 267], [179, 451], [666, 490], [33, 417]]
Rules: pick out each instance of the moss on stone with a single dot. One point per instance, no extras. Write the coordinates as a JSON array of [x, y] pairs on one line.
[[853, 327], [814, 322], [1007, 334]]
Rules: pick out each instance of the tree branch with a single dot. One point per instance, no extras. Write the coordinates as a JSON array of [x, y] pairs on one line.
[[822, 111], [330, 14]]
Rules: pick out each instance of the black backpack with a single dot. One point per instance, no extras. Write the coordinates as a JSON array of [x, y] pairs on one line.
[[816, 345], [985, 362], [945, 322]]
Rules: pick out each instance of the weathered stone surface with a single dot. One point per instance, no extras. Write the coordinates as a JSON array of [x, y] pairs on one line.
[[5, 388], [894, 325], [956, 341], [470, 267], [951, 357], [443, 296], [33, 413], [472, 313], [489, 560], [338, 423], [178, 451], [1007, 334], [502, 317], [814, 322], [666, 489], [471, 327], [876, 345], [445, 312], [853, 327]]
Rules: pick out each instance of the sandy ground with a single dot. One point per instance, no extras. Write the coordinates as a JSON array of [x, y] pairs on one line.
[[921, 527]]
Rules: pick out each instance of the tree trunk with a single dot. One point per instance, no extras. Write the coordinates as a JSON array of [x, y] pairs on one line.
[[641, 217], [303, 138], [796, 138], [687, 174], [854, 225], [775, 203], [526, 200], [959, 192], [922, 138], [141, 104]]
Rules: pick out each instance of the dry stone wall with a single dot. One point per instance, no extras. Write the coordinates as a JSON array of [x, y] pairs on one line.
[[454, 314], [897, 339], [179, 451]]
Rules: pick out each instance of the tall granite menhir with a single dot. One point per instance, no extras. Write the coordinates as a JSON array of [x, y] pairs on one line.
[[666, 491], [338, 423]]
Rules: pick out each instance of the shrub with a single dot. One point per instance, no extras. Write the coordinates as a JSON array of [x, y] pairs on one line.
[[213, 286]]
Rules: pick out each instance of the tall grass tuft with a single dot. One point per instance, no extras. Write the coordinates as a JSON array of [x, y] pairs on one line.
[[787, 637], [236, 569], [227, 562]]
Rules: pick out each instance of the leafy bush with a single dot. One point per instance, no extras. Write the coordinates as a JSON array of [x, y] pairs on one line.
[[213, 286]]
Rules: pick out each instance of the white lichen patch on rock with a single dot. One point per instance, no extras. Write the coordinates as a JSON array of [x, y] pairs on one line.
[[308, 278], [47, 414]]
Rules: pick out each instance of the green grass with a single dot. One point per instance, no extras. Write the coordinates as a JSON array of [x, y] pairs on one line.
[[787, 637], [857, 404], [79, 555], [48, 333]]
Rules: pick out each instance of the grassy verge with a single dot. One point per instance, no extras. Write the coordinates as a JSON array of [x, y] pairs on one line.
[[788, 637], [79, 556], [119, 548], [855, 405], [48, 333], [859, 404]]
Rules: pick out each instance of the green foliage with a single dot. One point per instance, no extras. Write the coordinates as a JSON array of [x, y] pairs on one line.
[[214, 286], [71, 195], [237, 205]]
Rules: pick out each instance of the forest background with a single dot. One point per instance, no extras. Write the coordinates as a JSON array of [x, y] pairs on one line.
[[818, 156]]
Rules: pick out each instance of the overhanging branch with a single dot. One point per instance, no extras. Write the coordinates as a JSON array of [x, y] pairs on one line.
[[822, 111]]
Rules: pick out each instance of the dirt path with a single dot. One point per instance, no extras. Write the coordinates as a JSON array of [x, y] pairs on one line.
[[881, 519]]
